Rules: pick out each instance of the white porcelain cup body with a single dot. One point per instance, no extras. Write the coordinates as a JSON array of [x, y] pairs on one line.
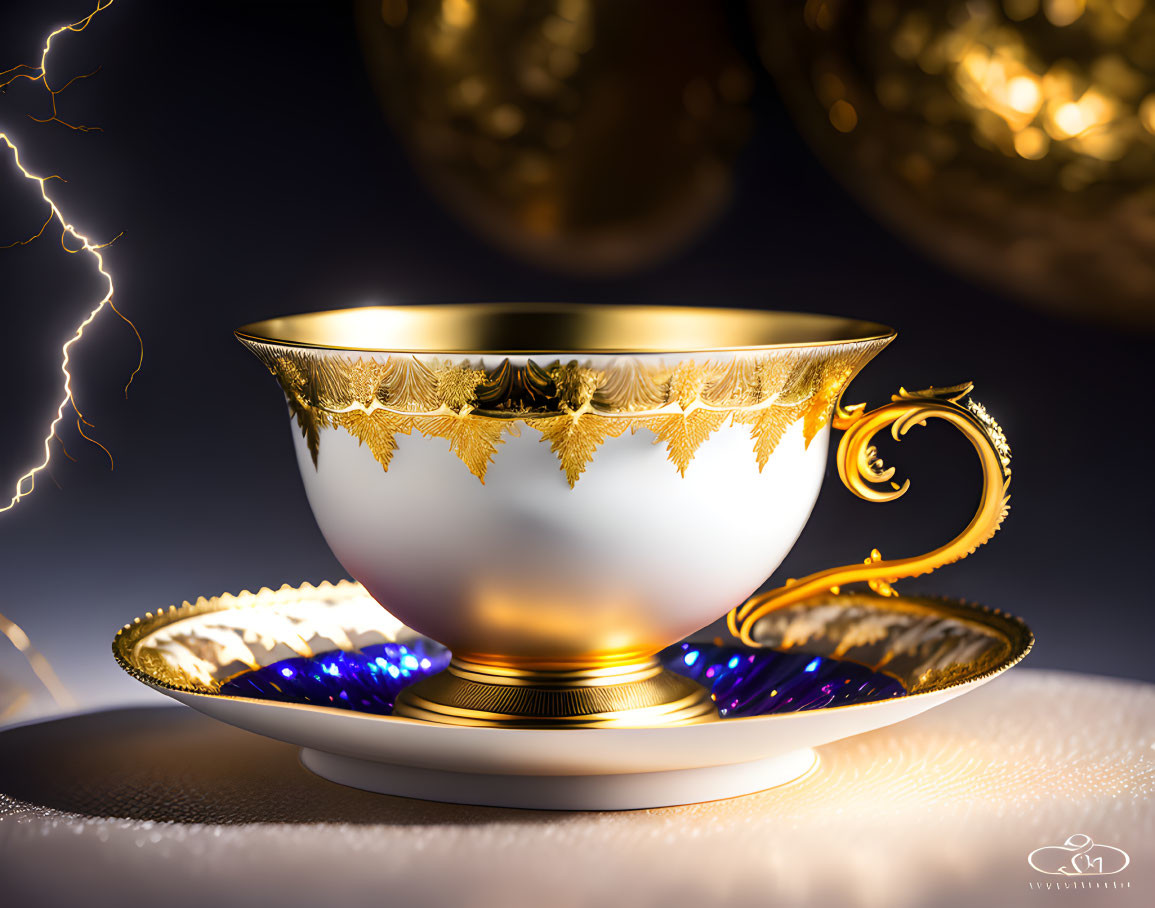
[[524, 569]]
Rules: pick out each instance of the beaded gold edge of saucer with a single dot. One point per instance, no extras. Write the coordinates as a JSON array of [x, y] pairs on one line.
[[863, 628], [150, 668]]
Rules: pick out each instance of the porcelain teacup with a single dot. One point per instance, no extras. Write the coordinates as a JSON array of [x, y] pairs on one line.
[[558, 492]]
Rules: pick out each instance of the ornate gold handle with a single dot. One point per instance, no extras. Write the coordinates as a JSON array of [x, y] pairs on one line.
[[861, 471]]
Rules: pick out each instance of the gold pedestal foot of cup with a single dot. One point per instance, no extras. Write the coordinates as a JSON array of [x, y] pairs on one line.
[[642, 694]]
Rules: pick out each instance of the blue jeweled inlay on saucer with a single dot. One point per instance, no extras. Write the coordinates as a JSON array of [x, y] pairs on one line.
[[368, 680], [746, 682], [742, 681]]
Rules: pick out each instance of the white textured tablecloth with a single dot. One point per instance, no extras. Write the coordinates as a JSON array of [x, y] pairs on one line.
[[162, 807]]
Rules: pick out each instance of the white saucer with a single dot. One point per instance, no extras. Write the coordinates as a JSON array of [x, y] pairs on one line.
[[936, 649]]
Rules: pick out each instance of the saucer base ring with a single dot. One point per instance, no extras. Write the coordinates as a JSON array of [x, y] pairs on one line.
[[639, 694], [613, 791]]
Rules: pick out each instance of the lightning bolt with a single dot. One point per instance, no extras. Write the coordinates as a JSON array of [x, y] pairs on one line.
[[27, 481]]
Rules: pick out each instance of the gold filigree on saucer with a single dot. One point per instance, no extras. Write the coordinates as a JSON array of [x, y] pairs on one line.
[[197, 646], [929, 645]]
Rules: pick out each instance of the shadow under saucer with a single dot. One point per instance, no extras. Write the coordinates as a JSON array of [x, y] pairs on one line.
[[170, 764]]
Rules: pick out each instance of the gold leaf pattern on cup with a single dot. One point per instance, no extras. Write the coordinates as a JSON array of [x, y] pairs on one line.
[[574, 438], [575, 405], [377, 430], [767, 426], [472, 439], [685, 432]]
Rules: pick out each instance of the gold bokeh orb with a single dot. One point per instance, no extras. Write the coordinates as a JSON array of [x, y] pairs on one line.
[[1014, 140], [587, 135]]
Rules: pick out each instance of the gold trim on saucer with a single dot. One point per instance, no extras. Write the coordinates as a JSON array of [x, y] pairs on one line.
[[929, 645], [926, 643], [197, 646]]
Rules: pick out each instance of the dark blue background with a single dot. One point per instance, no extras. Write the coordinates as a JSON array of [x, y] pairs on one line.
[[245, 157]]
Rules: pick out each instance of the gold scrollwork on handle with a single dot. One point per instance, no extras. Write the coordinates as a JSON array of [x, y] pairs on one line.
[[863, 472]]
